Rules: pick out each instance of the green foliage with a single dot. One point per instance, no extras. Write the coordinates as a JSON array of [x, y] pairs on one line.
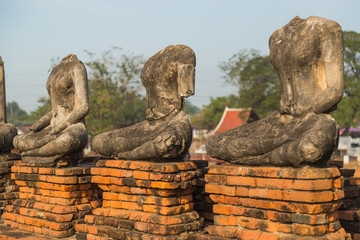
[[210, 115], [190, 109], [15, 114], [256, 79], [43, 109], [348, 110], [114, 91]]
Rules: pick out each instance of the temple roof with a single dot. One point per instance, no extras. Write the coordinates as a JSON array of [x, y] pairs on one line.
[[234, 117]]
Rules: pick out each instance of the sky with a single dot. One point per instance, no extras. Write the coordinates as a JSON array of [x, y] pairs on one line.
[[35, 31]]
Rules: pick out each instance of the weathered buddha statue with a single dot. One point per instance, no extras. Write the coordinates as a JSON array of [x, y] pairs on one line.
[[308, 57], [165, 135], [59, 137], [7, 130]]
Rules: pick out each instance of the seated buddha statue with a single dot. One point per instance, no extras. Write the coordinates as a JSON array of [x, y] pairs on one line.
[[165, 135], [7, 130], [308, 57], [60, 135]]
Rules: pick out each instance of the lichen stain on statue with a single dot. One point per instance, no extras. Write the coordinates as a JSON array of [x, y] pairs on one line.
[[165, 135], [7, 130], [58, 138], [308, 57]]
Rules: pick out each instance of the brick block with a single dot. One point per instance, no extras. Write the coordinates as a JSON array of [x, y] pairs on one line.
[[72, 171], [57, 201], [313, 185], [147, 166], [58, 194], [350, 215], [309, 173], [54, 186], [354, 181], [295, 196], [240, 181], [309, 219], [351, 227], [351, 192], [147, 216], [38, 230], [222, 220], [141, 175], [307, 230], [283, 206], [248, 234], [110, 221], [221, 231], [160, 229], [41, 214], [268, 172], [339, 182], [267, 236], [274, 183], [143, 199], [218, 179], [227, 170], [220, 189]]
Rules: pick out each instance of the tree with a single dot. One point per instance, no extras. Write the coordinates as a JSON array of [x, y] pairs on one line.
[[15, 114], [114, 91], [348, 110], [256, 79], [43, 109], [259, 87], [190, 109]]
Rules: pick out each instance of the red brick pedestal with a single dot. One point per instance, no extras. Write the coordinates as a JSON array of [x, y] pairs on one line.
[[143, 200], [9, 192], [274, 203], [202, 202], [349, 212], [51, 200]]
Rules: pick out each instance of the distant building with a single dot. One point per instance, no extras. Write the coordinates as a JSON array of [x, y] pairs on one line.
[[22, 129], [348, 149], [234, 117], [231, 118]]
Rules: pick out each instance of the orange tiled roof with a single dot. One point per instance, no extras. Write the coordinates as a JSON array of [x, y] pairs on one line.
[[231, 118]]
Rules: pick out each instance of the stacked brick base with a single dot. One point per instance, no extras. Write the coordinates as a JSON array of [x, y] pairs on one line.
[[202, 202], [143, 200], [51, 200], [274, 203], [349, 212], [8, 189]]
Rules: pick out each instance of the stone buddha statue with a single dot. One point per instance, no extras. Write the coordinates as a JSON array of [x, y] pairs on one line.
[[308, 57], [7, 130], [165, 135], [59, 137]]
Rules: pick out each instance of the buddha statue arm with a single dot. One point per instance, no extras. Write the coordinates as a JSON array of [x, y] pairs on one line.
[[81, 99], [330, 70], [42, 122], [166, 145]]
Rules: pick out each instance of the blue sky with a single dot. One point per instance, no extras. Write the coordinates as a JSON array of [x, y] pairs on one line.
[[35, 31]]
